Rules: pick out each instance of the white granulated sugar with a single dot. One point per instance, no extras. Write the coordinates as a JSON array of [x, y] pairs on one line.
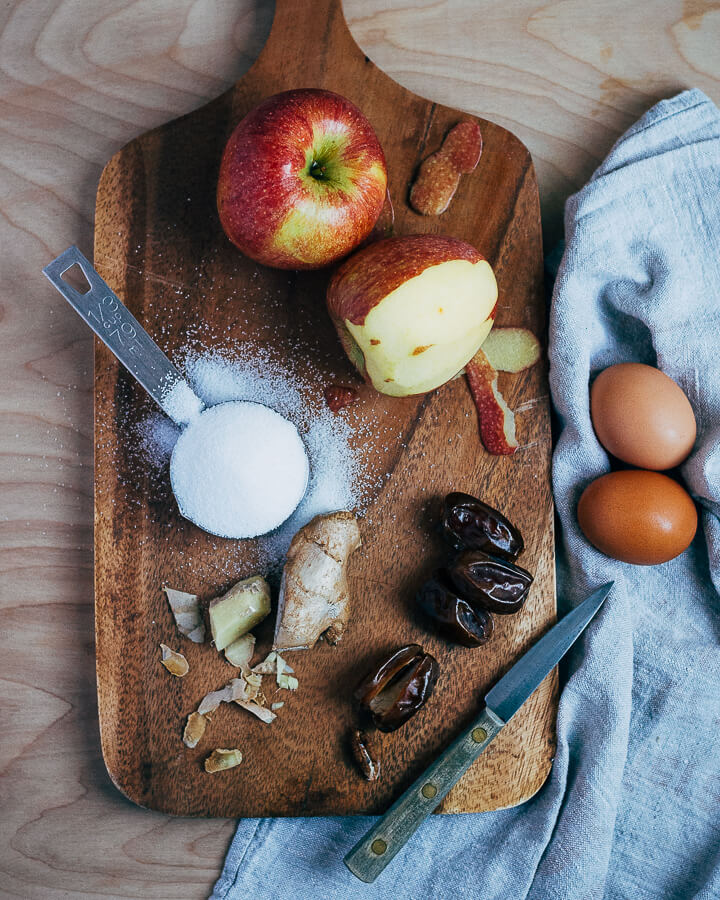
[[157, 435], [239, 470], [331, 487], [180, 403], [339, 477], [217, 378]]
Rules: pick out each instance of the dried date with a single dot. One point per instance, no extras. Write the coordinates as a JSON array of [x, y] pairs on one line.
[[398, 688], [337, 396], [470, 524], [493, 583], [453, 615]]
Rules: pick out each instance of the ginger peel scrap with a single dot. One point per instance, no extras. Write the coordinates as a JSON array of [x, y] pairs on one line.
[[220, 759], [174, 662], [194, 729], [186, 611]]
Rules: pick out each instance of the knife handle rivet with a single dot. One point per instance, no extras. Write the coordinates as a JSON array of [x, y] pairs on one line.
[[378, 847], [429, 791], [478, 735]]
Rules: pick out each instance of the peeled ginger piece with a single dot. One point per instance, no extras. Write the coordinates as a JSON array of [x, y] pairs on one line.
[[239, 610], [240, 652]]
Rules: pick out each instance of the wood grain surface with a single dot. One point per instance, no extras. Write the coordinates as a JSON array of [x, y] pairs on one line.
[[159, 245], [79, 80]]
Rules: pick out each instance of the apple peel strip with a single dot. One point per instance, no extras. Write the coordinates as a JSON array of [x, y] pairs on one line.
[[496, 419]]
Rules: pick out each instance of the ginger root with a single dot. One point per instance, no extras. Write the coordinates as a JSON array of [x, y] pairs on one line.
[[314, 594]]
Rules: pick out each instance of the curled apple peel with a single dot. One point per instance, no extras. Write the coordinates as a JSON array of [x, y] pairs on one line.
[[503, 350], [497, 420]]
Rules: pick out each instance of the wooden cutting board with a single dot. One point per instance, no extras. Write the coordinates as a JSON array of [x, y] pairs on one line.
[[159, 245]]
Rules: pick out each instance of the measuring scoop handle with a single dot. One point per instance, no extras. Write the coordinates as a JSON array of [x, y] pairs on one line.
[[118, 329]]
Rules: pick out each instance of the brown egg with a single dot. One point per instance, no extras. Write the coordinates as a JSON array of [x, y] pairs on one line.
[[642, 416], [638, 517]]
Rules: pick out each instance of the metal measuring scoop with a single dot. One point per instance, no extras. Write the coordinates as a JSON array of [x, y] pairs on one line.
[[120, 331]]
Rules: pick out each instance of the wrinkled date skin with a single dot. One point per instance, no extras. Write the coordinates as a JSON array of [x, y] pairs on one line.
[[395, 691], [453, 615], [495, 584], [470, 524]]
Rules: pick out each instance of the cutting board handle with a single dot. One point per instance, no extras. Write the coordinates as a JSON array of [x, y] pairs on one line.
[[306, 27], [312, 10]]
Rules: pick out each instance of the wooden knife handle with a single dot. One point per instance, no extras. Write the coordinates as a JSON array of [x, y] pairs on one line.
[[383, 841]]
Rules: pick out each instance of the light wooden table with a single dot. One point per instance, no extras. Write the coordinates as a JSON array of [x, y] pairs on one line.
[[79, 78]]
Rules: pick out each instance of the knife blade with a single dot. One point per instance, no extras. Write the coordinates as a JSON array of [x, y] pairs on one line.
[[375, 850]]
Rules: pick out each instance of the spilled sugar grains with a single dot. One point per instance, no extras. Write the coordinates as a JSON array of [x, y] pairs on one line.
[[338, 473]]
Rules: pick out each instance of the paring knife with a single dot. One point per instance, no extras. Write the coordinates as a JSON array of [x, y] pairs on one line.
[[379, 846]]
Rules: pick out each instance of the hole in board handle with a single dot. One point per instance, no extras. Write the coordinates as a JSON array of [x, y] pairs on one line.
[[75, 277]]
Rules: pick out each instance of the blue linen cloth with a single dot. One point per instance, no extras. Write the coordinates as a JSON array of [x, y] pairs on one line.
[[632, 806]]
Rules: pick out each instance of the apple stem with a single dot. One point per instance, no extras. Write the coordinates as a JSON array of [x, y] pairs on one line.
[[316, 170]]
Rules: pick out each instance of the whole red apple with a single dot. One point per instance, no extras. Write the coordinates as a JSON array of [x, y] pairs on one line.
[[302, 180]]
